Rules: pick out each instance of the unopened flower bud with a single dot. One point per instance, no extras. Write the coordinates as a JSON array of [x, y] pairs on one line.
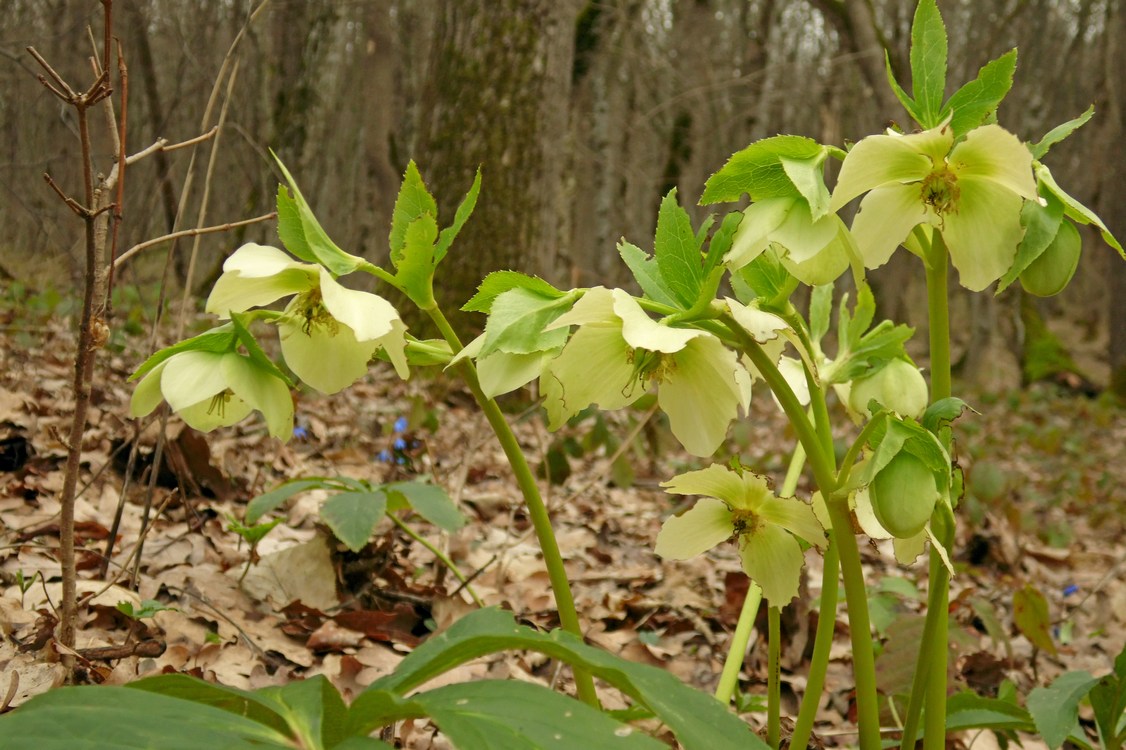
[[899, 386]]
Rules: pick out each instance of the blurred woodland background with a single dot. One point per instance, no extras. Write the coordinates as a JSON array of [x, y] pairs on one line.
[[582, 115]]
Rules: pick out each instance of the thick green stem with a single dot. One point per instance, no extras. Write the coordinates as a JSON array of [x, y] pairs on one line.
[[773, 675], [822, 644], [859, 626], [738, 648], [537, 510]]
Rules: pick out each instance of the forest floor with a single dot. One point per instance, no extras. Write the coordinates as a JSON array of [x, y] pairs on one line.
[[1045, 513]]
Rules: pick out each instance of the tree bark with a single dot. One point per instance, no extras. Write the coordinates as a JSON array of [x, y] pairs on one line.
[[1114, 187]]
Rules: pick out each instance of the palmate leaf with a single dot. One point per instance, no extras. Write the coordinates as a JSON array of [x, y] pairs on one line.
[[1055, 709], [499, 282], [699, 721], [517, 319], [413, 201], [757, 170], [428, 500], [268, 501], [352, 516], [464, 210], [647, 273]]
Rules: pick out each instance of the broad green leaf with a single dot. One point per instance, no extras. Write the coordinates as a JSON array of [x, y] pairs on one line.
[[415, 270], [428, 500], [820, 310], [518, 319], [240, 322], [312, 709], [646, 273], [491, 714], [757, 170], [290, 231], [977, 99], [413, 201], [464, 211], [677, 251], [94, 718], [268, 501], [699, 721], [499, 282], [217, 341], [808, 176], [1059, 132], [903, 97], [1030, 615], [1108, 699], [352, 516], [1041, 224], [1055, 709], [190, 689], [928, 62], [320, 245], [968, 710]]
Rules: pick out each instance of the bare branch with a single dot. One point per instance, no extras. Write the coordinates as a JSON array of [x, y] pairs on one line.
[[162, 144], [74, 205], [190, 233], [69, 95]]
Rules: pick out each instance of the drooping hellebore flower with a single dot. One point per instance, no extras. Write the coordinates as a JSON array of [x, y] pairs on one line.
[[619, 352], [743, 508], [328, 332], [971, 192], [216, 389], [815, 252]]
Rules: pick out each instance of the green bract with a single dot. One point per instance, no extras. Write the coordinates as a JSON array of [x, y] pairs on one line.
[[971, 192], [215, 389], [619, 352], [742, 506], [328, 332]]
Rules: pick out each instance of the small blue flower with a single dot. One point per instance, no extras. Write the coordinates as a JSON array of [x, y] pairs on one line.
[[300, 432], [401, 424], [401, 460], [384, 456], [399, 444], [1070, 589]]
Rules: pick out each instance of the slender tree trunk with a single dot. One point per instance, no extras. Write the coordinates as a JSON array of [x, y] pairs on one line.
[[1114, 187]]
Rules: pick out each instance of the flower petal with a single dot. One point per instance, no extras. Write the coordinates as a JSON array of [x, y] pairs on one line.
[[191, 377], [697, 530], [395, 344], [887, 215], [760, 219], [255, 261], [993, 153], [825, 266], [501, 372], [147, 395], [262, 391], [210, 413], [329, 358], [773, 558], [593, 368], [368, 315], [642, 332], [803, 237], [984, 233], [595, 306], [714, 481], [234, 292], [883, 159], [794, 516], [763, 326], [702, 395]]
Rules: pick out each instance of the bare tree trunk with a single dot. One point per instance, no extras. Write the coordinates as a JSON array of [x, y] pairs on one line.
[[497, 96], [1114, 187]]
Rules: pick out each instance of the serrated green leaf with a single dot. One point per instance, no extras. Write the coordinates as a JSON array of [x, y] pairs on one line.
[[130, 719], [1041, 224], [499, 282], [757, 170], [217, 341], [1055, 709], [863, 313], [646, 273], [464, 211], [290, 231], [415, 270], [808, 176], [517, 320], [943, 412], [903, 97], [976, 100], [928, 62], [1030, 615], [427, 500], [721, 241], [490, 714], [320, 245], [352, 516], [677, 251], [699, 721], [413, 201], [1059, 132], [268, 501], [1108, 700], [820, 311]]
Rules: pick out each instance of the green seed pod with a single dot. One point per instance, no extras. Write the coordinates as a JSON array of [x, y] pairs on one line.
[[1053, 268], [899, 386], [903, 495]]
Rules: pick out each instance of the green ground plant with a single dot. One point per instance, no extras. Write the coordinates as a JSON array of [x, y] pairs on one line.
[[714, 322]]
